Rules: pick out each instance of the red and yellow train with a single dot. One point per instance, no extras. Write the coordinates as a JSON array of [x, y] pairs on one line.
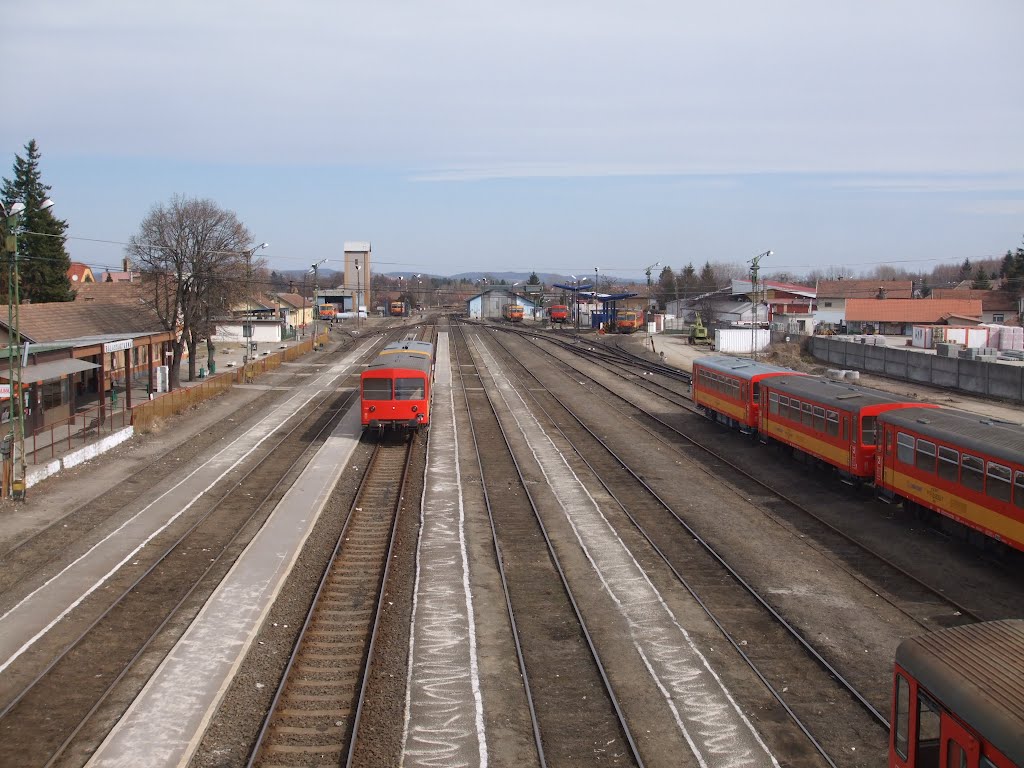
[[513, 313], [629, 321], [395, 388], [967, 468]]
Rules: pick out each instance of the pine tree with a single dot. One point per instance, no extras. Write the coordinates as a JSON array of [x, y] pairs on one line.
[[981, 281], [43, 262]]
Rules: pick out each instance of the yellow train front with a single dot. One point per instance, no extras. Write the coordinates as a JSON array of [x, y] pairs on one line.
[[395, 388]]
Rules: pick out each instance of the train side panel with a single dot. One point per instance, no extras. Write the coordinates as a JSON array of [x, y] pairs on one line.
[[728, 388]]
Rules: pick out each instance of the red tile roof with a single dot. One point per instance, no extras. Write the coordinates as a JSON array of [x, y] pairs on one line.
[[865, 289], [909, 310], [294, 300], [110, 293], [991, 301], [59, 320], [80, 274]]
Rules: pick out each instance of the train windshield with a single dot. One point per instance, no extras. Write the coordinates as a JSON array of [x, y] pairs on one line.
[[409, 389], [376, 389]]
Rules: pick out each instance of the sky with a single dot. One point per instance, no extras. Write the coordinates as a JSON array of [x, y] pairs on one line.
[[533, 136]]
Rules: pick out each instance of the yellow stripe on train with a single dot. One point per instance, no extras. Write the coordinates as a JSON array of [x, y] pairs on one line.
[[720, 405], [808, 444]]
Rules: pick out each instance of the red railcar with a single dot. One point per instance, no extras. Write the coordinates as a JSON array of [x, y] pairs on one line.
[[395, 388], [558, 313], [958, 698], [629, 321], [513, 313], [728, 389], [967, 467], [829, 420]]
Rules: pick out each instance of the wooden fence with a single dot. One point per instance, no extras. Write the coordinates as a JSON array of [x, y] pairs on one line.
[[168, 404]]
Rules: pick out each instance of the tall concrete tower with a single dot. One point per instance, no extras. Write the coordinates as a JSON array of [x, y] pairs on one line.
[[357, 275]]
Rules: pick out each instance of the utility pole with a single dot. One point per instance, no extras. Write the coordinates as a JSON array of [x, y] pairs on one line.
[[755, 265], [359, 288], [15, 441], [247, 323]]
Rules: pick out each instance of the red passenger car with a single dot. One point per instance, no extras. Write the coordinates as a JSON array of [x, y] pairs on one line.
[[629, 321], [395, 388], [728, 389], [957, 698], [829, 420], [967, 467], [558, 313]]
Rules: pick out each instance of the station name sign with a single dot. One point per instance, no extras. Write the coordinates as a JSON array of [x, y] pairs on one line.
[[118, 346]]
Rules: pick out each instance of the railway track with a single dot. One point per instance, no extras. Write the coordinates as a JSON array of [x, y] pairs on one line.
[[574, 711], [314, 716], [55, 712], [885, 570]]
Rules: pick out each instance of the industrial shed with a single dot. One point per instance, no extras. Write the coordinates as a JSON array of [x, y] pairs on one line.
[[487, 305]]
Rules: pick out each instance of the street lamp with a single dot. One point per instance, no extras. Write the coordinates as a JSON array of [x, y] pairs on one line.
[[316, 289], [648, 271], [755, 265], [419, 284], [247, 324], [15, 397]]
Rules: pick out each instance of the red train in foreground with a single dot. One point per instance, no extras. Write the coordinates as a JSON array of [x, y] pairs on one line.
[[395, 388], [958, 698]]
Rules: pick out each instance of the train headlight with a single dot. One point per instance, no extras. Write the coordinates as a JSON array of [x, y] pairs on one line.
[[414, 409], [372, 408]]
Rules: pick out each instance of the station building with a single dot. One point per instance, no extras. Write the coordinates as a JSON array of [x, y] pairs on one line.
[[487, 305]]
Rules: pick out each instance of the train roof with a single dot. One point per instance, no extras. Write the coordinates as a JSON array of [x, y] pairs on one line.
[[409, 354], [977, 671], [984, 434], [744, 367], [839, 394]]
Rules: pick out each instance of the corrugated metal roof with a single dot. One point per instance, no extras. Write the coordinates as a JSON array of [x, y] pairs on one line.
[[849, 397], [51, 370], [909, 310], [977, 671], [743, 367]]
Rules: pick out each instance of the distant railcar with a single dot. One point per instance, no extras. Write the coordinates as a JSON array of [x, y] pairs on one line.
[[513, 313], [966, 467], [395, 388], [831, 421], [629, 321], [397, 309], [958, 698], [728, 389], [558, 313]]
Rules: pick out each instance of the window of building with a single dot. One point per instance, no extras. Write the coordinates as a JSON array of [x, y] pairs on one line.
[[926, 456], [904, 448], [998, 486], [972, 473], [55, 393], [997, 317], [376, 389], [949, 464]]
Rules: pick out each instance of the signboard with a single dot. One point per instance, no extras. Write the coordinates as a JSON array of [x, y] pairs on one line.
[[5, 391], [118, 346], [246, 330]]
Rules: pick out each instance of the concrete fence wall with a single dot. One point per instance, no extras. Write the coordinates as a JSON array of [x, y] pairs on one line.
[[971, 376]]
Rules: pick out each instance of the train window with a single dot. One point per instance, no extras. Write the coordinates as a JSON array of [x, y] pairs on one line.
[[846, 428], [409, 389], [902, 724], [904, 448], [757, 392], [998, 486], [868, 429], [808, 414], [926, 456], [794, 410], [1018, 489], [972, 473], [376, 389], [832, 423], [949, 464], [928, 725], [819, 419], [956, 757], [773, 403]]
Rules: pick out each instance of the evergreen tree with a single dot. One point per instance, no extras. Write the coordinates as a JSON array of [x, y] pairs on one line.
[[707, 280], [688, 281], [534, 280], [981, 281], [43, 262], [965, 271]]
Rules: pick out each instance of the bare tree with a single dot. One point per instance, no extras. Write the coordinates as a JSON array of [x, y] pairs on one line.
[[192, 256]]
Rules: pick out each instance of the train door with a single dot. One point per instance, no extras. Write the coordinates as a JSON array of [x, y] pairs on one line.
[[960, 749]]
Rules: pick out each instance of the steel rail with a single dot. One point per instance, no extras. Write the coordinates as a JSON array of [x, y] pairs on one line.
[[105, 694], [569, 594]]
